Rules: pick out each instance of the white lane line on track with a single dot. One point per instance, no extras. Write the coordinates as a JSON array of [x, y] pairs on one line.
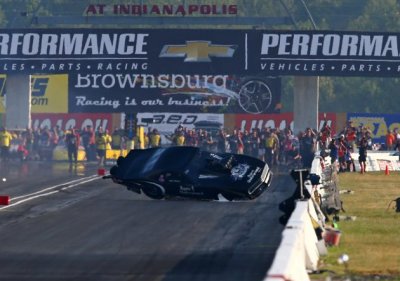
[[43, 192]]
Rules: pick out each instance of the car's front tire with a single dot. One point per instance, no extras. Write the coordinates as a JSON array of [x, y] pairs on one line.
[[153, 190]]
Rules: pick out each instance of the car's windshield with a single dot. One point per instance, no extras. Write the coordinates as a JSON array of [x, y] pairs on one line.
[[152, 161]]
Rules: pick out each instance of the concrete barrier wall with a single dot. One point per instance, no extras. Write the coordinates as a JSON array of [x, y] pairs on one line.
[[300, 249]]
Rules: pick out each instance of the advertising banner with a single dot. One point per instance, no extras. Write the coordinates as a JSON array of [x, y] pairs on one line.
[[49, 93], [281, 121], [173, 93], [205, 51], [166, 123], [378, 161], [379, 124], [77, 120]]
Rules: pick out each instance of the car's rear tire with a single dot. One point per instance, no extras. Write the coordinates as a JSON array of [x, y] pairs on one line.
[[153, 190]]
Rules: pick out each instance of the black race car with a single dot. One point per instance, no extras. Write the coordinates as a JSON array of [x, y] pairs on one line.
[[190, 172]]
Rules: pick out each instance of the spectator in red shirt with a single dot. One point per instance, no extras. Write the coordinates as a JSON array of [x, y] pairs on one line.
[[390, 140], [351, 138]]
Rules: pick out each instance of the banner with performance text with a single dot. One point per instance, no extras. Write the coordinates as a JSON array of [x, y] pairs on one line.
[[200, 51]]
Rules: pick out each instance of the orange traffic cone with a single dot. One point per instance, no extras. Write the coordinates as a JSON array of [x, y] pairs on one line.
[[101, 172], [387, 170]]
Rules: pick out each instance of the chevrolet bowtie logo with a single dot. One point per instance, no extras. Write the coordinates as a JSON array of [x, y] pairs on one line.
[[197, 51]]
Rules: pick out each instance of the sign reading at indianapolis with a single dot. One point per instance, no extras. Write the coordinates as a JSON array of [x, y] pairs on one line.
[[162, 52], [161, 10]]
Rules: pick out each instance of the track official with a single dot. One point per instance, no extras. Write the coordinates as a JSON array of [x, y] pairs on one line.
[[101, 146], [5, 142], [155, 138]]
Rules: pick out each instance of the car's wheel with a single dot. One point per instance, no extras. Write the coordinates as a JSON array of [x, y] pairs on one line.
[[153, 190], [255, 96]]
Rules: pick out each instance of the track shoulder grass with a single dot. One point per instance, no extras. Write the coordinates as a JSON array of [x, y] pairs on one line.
[[372, 241]]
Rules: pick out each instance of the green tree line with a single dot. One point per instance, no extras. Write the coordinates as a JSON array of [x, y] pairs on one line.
[[337, 94]]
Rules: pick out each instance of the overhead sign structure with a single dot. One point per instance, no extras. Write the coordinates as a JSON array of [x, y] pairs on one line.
[[156, 51]]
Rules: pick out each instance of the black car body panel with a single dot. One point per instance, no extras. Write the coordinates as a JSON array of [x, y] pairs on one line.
[[191, 172]]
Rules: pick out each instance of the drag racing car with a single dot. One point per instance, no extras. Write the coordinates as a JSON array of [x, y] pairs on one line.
[[189, 172]]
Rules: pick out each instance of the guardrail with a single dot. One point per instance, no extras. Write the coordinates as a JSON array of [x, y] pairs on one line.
[[301, 248]]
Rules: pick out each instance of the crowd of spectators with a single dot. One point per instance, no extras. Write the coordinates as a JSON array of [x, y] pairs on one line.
[[39, 144], [283, 147], [272, 145], [276, 147], [356, 139]]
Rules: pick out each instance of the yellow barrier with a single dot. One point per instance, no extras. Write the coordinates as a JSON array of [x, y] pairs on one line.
[[60, 153], [113, 154]]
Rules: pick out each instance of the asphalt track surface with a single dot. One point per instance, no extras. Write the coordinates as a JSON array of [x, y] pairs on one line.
[[68, 224]]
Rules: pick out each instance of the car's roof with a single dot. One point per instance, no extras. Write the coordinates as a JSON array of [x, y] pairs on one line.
[[142, 163]]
